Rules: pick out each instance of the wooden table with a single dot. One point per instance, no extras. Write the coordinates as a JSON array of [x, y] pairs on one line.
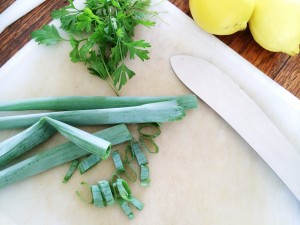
[[282, 68]]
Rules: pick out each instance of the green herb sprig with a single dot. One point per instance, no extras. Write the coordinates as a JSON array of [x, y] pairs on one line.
[[101, 36]]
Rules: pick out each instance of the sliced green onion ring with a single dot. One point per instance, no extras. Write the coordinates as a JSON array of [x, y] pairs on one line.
[[156, 126], [123, 189], [97, 196], [71, 170], [139, 154], [114, 177], [118, 161], [143, 141], [88, 163], [136, 203], [145, 175], [106, 192], [80, 196], [129, 155], [130, 172], [125, 207]]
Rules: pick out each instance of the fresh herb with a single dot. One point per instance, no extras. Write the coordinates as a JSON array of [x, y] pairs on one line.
[[101, 36]]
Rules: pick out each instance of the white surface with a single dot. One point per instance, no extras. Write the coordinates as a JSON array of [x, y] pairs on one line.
[[205, 173], [16, 10]]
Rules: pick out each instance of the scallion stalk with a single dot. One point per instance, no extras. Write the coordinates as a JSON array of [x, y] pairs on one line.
[[154, 112], [56, 156], [92, 102]]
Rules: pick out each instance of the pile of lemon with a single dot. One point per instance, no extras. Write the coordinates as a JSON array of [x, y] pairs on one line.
[[274, 24]]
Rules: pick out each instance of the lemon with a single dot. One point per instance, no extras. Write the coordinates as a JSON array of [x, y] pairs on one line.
[[221, 17], [275, 25]]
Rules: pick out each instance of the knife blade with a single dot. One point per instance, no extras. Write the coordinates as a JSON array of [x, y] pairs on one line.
[[226, 98]]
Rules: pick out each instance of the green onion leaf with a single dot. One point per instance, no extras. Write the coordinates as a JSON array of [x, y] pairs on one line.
[[92, 102], [56, 156], [167, 111], [90, 143], [25, 141]]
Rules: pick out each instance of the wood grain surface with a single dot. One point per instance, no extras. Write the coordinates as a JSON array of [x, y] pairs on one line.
[[282, 68]]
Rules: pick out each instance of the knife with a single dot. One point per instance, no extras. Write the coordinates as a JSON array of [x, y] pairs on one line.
[[220, 92], [16, 10]]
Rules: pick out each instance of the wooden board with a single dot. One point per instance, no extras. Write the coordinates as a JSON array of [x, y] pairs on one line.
[[205, 173]]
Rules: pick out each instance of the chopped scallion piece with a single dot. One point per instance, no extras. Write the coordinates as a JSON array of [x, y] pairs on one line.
[[123, 189], [145, 141], [145, 175], [118, 161], [71, 170], [150, 134], [129, 155], [126, 209], [106, 192], [130, 173], [136, 203], [97, 196], [138, 153], [88, 163]]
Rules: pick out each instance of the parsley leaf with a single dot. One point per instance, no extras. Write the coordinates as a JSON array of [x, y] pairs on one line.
[[48, 35]]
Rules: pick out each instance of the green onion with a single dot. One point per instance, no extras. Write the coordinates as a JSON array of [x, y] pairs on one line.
[[126, 209], [90, 143], [136, 203], [118, 161], [106, 192], [143, 141], [129, 155], [24, 141], [92, 102], [130, 173], [9, 150], [156, 126], [97, 196], [139, 154], [154, 112], [145, 175], [88, 163], [58, 155], [71, 170], [123, 189], [80, 196]]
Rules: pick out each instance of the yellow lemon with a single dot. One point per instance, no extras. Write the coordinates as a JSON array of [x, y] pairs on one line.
[[275, 25], [221, 17]]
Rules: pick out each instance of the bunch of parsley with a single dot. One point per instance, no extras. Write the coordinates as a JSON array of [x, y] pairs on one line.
[[101, 36]]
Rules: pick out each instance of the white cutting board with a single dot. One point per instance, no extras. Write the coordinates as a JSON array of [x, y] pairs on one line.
[[205, 173]]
